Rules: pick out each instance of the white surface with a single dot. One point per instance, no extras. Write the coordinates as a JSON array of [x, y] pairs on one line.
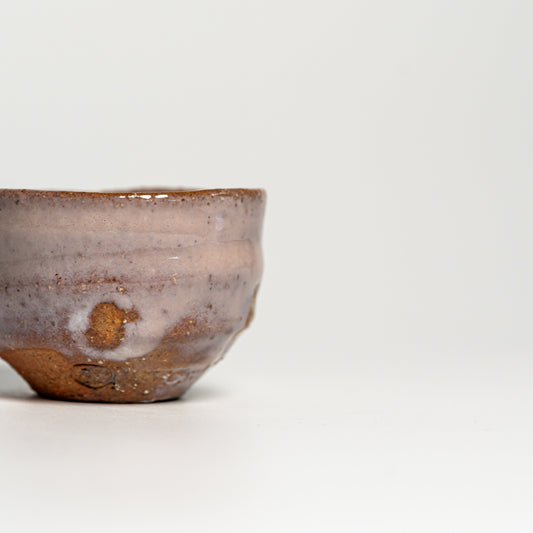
[[390, 442], [385, 384]]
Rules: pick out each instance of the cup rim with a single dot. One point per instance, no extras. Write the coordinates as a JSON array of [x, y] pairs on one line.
[[152, 193]]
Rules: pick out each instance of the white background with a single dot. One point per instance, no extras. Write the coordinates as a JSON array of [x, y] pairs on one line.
[[385, 384]]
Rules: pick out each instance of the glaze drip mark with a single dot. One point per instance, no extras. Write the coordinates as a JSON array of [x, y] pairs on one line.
[[107, 325], [92, 376], [251, 312]]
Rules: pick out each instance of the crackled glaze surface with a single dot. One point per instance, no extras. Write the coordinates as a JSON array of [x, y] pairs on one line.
[[100, 282]]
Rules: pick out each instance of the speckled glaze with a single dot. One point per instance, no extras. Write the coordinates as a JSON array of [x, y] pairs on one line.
[[125, 297]]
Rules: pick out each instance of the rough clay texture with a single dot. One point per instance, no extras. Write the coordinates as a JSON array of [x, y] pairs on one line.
[[125, 297]]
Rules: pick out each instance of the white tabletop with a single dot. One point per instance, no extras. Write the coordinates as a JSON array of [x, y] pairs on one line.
[[388, 442]]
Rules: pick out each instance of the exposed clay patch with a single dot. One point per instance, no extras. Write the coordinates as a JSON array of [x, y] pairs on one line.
[[184, 354], [107, 325]]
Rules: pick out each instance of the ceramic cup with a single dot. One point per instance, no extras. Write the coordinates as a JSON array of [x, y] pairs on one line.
[[125, 297]]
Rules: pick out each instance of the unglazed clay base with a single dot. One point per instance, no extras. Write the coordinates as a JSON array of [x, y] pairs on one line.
[[125, 297]]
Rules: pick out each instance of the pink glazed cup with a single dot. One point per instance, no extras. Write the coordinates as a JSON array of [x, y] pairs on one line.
[[125, 297]]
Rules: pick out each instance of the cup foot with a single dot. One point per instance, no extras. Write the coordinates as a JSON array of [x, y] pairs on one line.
[[161, 375]]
